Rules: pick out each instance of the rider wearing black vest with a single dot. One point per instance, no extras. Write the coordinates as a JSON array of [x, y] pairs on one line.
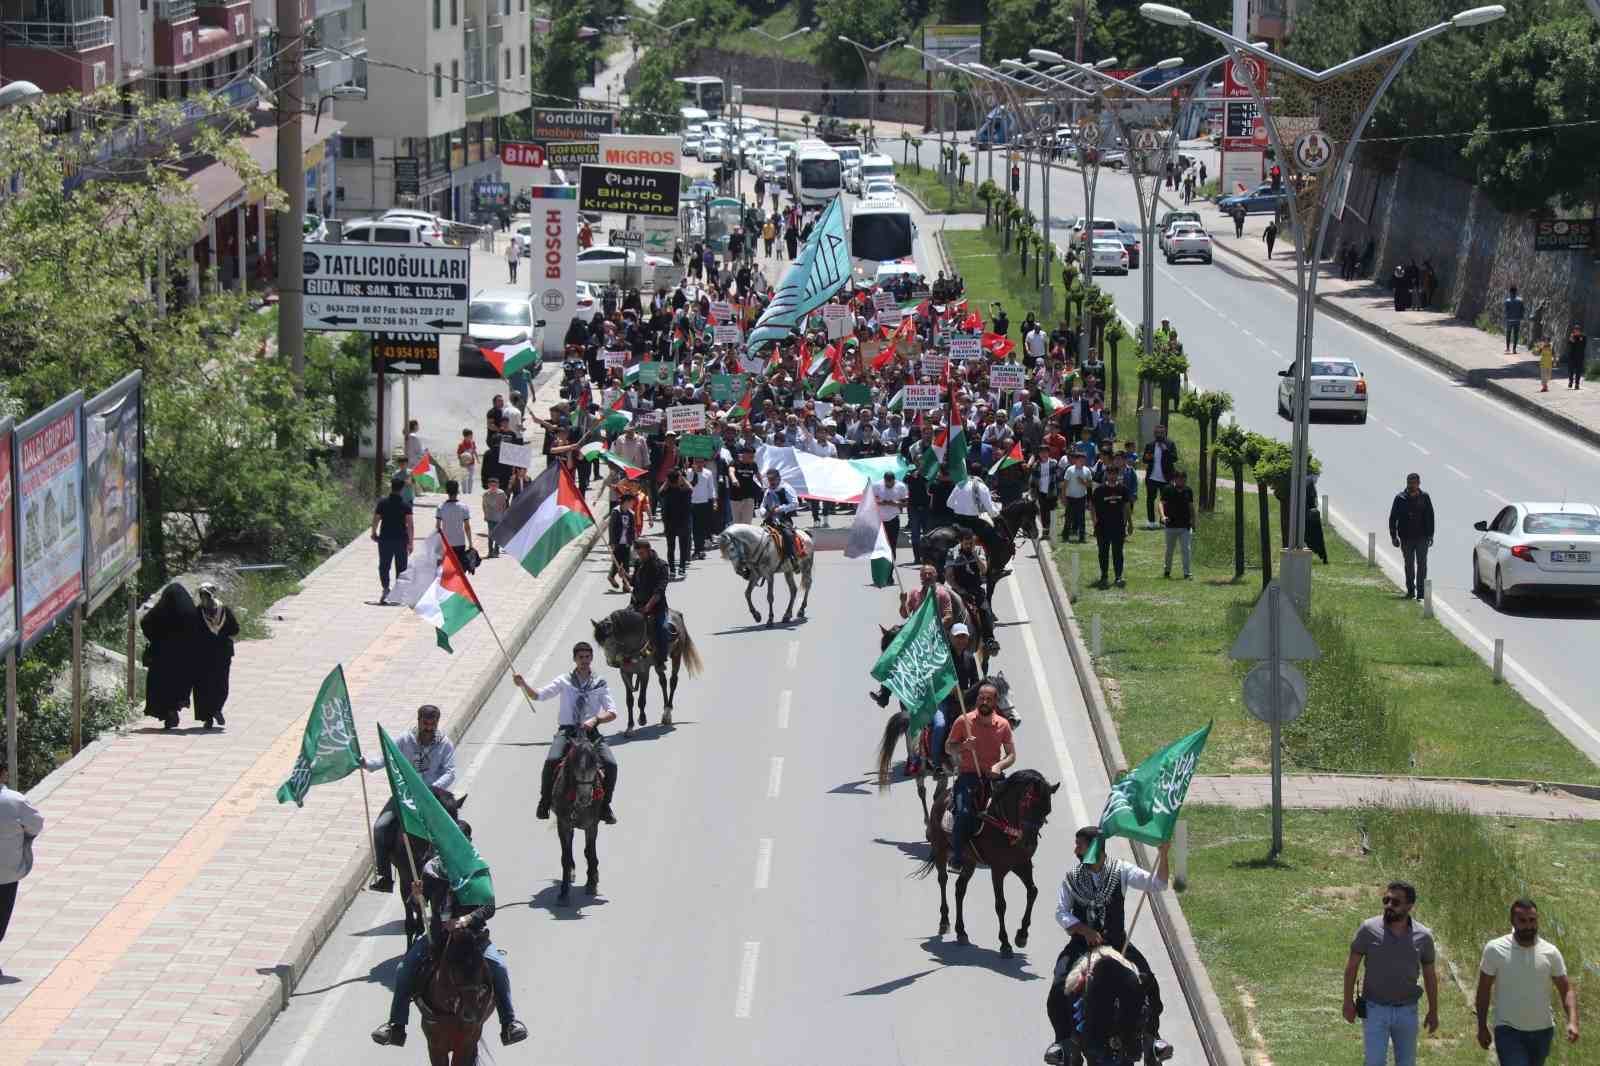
[[1091, 908]]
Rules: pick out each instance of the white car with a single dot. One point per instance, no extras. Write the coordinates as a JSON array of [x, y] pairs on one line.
[[878, 189], [773, 168], [390, 231], [1110, 256], [1103, 226], [711, 151], [496, 316], [586, 300], [1538, 549], [691, 145], [1186, 240], [594, 264], [1338, 387]]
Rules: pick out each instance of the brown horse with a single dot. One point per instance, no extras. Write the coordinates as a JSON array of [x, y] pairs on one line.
[[624, 637], [422, 848], [455, 999], [1006, 841]]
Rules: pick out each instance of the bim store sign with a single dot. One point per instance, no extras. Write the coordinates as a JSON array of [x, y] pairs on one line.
[[658, 153], [629, 190], [553, 214], [571, 125]]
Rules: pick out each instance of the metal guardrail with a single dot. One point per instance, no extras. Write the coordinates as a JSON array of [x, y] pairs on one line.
[[79, 36]]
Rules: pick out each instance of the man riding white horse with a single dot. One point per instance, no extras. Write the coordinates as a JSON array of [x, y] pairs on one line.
[[585, 704], [1091, 909], [973, 507], [778, 507]]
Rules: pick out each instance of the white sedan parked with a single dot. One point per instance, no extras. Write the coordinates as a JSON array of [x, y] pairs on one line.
[[1538, 549], [595, 264], [1337, 387], [1110, 257]]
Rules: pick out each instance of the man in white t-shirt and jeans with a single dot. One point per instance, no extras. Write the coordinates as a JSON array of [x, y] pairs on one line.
[[454, 523], [891, 497], [1518, 970]]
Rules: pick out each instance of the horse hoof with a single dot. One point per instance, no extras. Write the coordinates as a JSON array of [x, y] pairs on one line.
[[787, 619], [944, 927], [565, 892], [593, 888], [666, 719], [643, 721], [1006, 952], [961, 937], [755, 616], [1022, 938]]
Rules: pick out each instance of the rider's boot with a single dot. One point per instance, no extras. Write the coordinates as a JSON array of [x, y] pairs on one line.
[[513, 1032], [389, 1035], [547, 784], [880, 697], [1055, 1055], [606, 814]]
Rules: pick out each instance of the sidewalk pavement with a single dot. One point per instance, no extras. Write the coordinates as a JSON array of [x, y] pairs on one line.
[[1329, 791], [175, 902], [1437, 337]]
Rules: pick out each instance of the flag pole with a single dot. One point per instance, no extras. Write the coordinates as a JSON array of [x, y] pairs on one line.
[[492, 632], [1161, 863], [367, 806]]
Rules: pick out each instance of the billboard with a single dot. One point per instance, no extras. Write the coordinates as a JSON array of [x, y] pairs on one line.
[[571, 125], [1241, 171], [553, 272], [113, 435], [8, 543], [569, 155], [47, 453], [953, 44], [663, 153], [629, 190]]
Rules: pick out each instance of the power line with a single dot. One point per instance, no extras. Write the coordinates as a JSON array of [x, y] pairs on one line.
[[1485, 133]]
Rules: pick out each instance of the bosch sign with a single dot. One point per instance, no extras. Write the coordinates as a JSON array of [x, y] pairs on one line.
[[661, 153], [521, 154], [573, 125]]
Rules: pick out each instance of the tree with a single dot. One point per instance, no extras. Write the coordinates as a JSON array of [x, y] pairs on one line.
[[1014, 26], [1264, 454], [1163, 369], [645, 113], [1231, 443], [1206, 408], [1115, 335], [871, 22]]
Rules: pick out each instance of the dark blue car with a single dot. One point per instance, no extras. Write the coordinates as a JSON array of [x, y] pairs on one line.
[[1263, 201]]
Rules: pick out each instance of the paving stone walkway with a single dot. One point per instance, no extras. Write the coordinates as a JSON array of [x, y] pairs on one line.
[[1327, 791]]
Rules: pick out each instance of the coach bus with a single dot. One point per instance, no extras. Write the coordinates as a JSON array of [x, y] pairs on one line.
[[816, 174], [881, 231], [702, 91]]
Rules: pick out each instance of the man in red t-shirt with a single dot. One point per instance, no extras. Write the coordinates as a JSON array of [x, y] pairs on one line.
[[981, 743]]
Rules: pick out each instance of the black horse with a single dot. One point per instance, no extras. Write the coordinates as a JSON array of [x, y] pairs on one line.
[[1018, 516], [454, 997], [421, 851], [578, 800], [1118, 1011]]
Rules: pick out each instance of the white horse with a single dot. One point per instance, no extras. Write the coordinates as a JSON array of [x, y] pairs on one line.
[[756, 559]]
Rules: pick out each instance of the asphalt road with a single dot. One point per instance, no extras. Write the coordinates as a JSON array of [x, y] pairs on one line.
[[756, 900], [1474, 453]]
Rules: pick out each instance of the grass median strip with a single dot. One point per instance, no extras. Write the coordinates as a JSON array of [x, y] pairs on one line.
[[1275, 935], [933, 189]]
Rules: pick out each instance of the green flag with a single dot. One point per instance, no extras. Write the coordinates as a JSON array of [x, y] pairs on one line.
[[917, 666], [1144, 803], [329, 750], [422, 816]]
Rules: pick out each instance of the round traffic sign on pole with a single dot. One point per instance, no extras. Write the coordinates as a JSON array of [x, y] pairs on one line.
[[1291, 693]]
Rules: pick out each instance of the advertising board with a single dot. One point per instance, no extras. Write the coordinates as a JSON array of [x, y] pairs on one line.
[[571, 124], [113, 435], [48, 452], [628, 190]]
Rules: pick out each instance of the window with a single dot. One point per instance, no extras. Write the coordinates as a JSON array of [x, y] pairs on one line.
[[355, 148], [1564, 524], [522, 59], [508, 7], [436, 4], [508, 63], [438, 81], [455, 76], [454, 5]]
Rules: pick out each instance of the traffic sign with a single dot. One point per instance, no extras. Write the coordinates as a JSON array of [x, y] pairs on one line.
[[398, 288], [405, 353], [627, 238], [1147, 140], [1291, 702], [1255, 639]]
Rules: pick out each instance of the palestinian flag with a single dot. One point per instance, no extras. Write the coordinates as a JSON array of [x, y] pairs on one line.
[[997, 346], [1011, 458], [868, 539], [595, 450], [543, 519], [1053, 405], [450, 602], [617, 419], [425, 475], [508, 359], [741, 410], [897, 402], [831, 385]]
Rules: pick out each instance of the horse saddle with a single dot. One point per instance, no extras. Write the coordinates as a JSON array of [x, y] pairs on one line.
[[775, 535]]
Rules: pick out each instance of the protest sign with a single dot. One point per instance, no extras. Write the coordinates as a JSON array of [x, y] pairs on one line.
[[614, 357], [697, 446], [721, 334], [966, 346], [1007, 376], [921, 397], [516, 454], [685, 417]]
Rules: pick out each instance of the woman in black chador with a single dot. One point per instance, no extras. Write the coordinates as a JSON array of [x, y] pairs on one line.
[[214, 658], [172, 628]]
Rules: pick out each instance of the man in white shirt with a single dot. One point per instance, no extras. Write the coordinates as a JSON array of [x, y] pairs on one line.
[[967, 501], [454, 523], [413, 444], [1077, 481], [891, 499], [819, 444], [702, 503], [1035, 343], [585, 704], [1518, 969], [20, 822]]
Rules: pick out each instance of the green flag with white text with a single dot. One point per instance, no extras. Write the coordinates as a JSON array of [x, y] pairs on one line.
[[917, 666], [422, 816], [1145, 802], [329, 750]]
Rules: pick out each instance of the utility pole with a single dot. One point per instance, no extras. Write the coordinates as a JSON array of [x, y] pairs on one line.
[[292, 180]]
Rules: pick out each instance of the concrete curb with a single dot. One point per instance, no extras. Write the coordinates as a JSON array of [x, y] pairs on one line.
[[240, 1040], [1215, 1034], [1476, 378]]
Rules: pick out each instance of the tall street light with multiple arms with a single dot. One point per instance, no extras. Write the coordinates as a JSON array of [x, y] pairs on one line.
[[1316, 164], [777, 97], [869, 60]]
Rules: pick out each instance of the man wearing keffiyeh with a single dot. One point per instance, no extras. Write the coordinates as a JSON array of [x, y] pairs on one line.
[[585, 704]]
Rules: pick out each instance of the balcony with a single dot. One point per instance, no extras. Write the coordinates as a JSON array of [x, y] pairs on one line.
[[79, 36], [174, 10]]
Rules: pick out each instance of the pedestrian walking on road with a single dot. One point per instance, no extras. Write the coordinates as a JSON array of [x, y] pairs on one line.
[[1546, 353], [1396, 949], [1270, 235], [791, 242], [1512, 313], [214, 655], [891, 498], [1577, 352], [20, 822], [1238, 220], [1109, 507], [677, 519], [703, 500], [393, 533], [1411, 530], [413, 444], [1176, 508], [1518, 971], [513, 256]]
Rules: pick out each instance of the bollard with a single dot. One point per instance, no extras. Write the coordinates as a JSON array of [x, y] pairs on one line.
[[1499, 659], [1094, 636], [1372, 549], [1075, 570], [1180, 855], [1427, 598]]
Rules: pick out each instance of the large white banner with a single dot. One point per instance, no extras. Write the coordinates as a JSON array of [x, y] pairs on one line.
[[553, 270]]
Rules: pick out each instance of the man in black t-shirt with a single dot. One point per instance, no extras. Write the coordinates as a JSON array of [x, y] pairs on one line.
[[391, 528], [746, 486], [1108, 505], [1176, 509]]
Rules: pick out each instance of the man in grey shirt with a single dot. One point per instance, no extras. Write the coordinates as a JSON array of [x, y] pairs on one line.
[[455, 522], [20, 822], [433, 756], [1396, 948]]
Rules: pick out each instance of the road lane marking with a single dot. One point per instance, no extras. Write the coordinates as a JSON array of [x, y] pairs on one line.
[[775, 777], [785, 700], [794, 654], [1457, 472], [747, 978], [764, 864], [1058, 736], [1493, 495], [1420, 448], [1396, 432]]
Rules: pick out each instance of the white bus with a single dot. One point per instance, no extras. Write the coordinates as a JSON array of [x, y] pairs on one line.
[[815, 175], [881, 231], [702, 91]]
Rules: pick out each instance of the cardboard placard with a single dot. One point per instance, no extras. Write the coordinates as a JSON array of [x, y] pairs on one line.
[[722, 311], [920, 295], [647, 418], [614, 357], [697, 446], [837, 319], [886, 303], [966, 346], [752, 364], [1007, 376], [516, 455], [685, 417], [668, 277], [726, 388], [933, 363], [921, 398], [721, 334], [655, 373]]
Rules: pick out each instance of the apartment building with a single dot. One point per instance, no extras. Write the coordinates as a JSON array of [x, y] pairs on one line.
[[443, 122]]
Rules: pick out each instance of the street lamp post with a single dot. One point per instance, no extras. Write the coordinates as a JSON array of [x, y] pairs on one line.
[[953, 68], [869, 58], [777, 97], [1342, 98]]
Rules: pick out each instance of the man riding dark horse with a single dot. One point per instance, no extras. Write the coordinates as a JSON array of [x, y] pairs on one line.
[[433, 756], [980, 742], [649, 596], [968, 501], [1091, 908], [435, 889], [585, 705], [778, 507], [966, 570]]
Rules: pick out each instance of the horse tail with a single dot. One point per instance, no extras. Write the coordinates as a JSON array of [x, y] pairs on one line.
[[893, 730], [686, 649]]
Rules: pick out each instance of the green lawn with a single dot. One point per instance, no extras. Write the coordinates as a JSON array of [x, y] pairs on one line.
[[1396, 693], [1274, 936], [934, 190]]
